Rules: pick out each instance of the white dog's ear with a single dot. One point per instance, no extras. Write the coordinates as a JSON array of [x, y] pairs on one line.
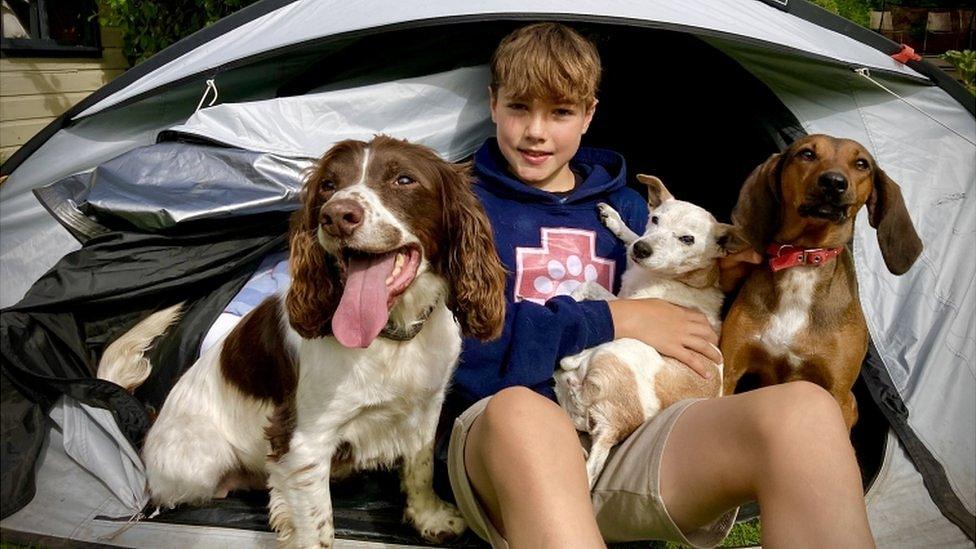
[[656, 191], [729, 239]]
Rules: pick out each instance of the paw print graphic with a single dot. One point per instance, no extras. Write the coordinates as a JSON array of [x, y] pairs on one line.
[[562, 279], [565, 260]]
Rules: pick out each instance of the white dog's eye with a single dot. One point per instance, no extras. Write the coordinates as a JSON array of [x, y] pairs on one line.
[[654, 219], [687, 239]]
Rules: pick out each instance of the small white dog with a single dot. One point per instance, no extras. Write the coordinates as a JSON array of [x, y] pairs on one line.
[[611, 389]]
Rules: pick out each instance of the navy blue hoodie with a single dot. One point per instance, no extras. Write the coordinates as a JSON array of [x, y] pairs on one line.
[[548, 243]]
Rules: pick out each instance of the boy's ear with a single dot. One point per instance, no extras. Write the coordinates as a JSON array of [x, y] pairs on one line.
[[492, 102], [590, 111]]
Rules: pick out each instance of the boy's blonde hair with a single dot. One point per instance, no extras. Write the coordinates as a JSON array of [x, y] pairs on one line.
[[547, 61]]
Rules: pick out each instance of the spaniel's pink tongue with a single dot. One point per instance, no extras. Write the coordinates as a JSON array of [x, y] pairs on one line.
[[362, 311]]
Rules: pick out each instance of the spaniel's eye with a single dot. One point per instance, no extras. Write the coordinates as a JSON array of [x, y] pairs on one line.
[[327, 185], [807, 154], [654, 219], [687, 239], [862, 164], [404, 180]]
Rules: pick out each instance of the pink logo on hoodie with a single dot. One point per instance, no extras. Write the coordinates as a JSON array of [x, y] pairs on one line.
[[566, 259]]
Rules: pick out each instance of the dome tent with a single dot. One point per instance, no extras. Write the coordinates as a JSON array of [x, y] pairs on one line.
[[698, 94]]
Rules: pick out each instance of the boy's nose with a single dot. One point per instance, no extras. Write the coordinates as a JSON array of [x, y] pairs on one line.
[[536, 128]]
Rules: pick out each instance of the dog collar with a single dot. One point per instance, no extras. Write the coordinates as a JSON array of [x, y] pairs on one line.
[[784, 256], [408, 332]]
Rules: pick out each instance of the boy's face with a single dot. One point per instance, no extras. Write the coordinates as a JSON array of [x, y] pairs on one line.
[[539, 137]]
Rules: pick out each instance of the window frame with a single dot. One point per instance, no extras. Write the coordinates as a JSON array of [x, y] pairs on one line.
[[44, 45]]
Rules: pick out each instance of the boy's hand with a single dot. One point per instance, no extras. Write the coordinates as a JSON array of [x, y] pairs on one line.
[[735, 267], [674, 331]]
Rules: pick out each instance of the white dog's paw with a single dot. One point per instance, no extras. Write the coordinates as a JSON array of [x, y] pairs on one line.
[[438, 522], [610, 218]]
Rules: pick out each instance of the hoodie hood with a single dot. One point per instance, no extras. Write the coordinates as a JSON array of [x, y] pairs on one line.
[[602, 172]]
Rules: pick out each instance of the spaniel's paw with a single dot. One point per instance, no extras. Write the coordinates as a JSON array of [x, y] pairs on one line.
[[438, 522]]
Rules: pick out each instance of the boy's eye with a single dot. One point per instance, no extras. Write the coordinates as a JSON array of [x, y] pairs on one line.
[[687, 239], [518, 106], [654, 219], [565, 112]]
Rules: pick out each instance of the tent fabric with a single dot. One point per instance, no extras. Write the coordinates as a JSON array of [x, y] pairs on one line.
[[92, 438], [306, 20], [151, 188], [51, 338], [447, 112]]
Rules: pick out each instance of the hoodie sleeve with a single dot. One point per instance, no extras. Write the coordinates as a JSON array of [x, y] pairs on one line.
[[632, 209], [534, 340]]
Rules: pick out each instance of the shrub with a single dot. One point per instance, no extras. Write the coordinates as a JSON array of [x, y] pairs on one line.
[[965, 63], [148, 26]]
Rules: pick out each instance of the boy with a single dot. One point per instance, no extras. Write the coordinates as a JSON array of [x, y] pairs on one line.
[[514, 460]]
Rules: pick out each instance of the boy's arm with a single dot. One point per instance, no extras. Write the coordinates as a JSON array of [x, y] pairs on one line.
[[536, 337]]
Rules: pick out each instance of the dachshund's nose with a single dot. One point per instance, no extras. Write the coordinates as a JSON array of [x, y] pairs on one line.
[[341, 217], [642, 250], [833, 183]]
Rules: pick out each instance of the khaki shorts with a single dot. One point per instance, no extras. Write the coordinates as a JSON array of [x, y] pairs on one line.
[[626, 498]]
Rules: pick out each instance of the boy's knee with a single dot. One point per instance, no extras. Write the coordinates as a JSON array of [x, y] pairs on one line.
[[517, 413], [798, 413]]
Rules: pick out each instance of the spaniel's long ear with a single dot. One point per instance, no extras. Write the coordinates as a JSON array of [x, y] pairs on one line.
[[757, 212], [313, 294], [471, 264], [900, 244]]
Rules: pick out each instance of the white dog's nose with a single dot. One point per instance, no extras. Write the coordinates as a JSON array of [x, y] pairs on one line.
[[642, 250]]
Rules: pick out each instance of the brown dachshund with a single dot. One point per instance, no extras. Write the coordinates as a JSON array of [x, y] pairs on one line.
[[799, 318]]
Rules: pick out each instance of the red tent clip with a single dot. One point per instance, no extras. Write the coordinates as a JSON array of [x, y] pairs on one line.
[[906, 54]]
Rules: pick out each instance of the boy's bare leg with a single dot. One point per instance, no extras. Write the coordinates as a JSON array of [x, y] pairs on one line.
[[524, 461], [786, 446]]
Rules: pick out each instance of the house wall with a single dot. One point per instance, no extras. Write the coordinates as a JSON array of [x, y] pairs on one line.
[[36, 90]]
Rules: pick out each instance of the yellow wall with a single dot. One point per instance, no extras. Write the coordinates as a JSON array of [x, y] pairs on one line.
[[36, 90]]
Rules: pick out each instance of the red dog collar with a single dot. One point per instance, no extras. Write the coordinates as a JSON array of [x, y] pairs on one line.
[[784, 256]]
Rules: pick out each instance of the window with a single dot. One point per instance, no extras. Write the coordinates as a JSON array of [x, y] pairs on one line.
[[50, 28]]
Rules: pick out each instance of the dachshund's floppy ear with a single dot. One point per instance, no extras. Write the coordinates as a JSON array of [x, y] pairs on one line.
[[656, 191], [474, 272], [900, 244], [757, 212], [314, 291], [729, 240]]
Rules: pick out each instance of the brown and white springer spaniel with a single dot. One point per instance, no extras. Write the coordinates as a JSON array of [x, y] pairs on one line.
[[392, 260]]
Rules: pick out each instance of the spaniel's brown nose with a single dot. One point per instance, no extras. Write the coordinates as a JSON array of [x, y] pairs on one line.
[[341, 217]]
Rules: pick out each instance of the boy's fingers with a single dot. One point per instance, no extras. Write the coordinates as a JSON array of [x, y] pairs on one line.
[[705, 349], [698, 363]]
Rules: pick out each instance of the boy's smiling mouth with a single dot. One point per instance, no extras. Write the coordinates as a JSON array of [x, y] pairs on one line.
[[534, 157]]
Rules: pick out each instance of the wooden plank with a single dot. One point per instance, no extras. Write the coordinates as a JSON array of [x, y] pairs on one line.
[[20, 107], [43, 82], [5, 153], [18, 132], [112, 58]]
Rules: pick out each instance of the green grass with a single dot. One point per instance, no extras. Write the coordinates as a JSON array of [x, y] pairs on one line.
[[743, 534]]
